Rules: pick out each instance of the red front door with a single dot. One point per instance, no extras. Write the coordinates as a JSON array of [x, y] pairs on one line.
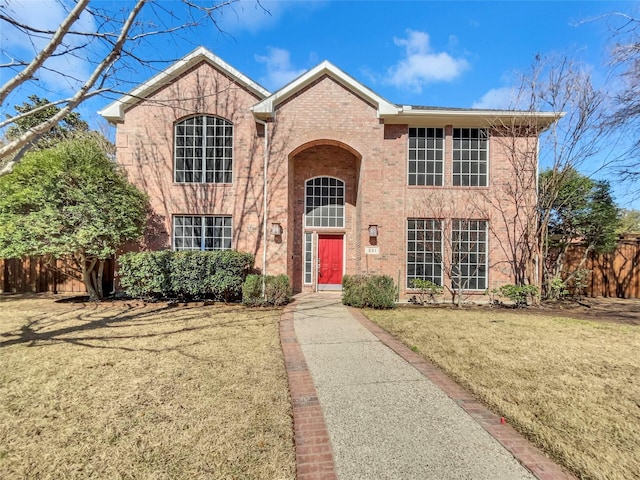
[[330, 260]]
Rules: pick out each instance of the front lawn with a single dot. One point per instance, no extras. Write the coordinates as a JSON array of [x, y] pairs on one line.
[[131, 391], [571, 386]]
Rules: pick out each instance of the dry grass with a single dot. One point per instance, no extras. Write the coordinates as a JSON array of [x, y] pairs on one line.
[[145, 392], [571, 386]]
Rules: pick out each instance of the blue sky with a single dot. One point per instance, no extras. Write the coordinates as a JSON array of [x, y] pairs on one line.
[[454, 54]]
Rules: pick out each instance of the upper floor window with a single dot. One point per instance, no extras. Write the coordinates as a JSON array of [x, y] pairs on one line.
[[426, 154], [470, 157], [198, 232], [324, 202], [203, 150]]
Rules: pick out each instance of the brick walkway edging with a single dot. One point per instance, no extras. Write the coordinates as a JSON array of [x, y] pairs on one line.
[[314, 456], [522, 449]]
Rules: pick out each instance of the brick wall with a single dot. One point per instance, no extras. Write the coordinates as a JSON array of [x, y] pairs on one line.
[[322, 130]]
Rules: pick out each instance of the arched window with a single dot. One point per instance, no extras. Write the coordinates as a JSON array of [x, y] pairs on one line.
[[203, 150], [324, 202]]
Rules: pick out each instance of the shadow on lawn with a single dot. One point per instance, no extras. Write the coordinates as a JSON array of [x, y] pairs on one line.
[[32, 334]]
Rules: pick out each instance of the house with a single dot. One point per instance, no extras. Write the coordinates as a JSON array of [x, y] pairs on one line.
[[325, 177]]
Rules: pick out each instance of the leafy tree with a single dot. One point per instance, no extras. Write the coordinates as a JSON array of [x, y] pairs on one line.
[[70, 202], [583, 211], [629, 221], [38, 110]]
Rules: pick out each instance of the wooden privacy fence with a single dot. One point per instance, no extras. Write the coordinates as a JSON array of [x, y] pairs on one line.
[[36, 275], [614, 274]]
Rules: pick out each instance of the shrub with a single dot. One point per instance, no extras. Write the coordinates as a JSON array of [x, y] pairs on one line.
[[187, 275], [372, 291], [426, 290], [557, 289], [519, 294], [230, 269], [579, 283], [145, 274], [276, 288]]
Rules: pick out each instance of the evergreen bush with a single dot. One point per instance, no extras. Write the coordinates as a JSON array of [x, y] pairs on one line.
[[519, 294], [368, 291], [276, 288], [187, 275], [145, 274]]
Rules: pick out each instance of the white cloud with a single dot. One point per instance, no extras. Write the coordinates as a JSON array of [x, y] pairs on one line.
[[421, 65], [280, 71], [497, 98], [252, 16]]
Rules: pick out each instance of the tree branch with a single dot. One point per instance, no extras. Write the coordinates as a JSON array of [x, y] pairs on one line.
[[45, 53]]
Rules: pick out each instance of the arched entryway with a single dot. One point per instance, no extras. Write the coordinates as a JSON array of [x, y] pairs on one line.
[[324, 178]]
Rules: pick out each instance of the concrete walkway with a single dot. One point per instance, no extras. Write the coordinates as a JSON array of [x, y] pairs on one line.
[[386, 419]]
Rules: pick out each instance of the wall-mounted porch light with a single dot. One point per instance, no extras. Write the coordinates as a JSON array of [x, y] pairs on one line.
[[276, 229], [373, 231]]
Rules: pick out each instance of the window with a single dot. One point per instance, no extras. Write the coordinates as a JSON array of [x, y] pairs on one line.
[[424, 250], [324, 202], [426, 153], [191, 232], [203, 150], [470, 157], [308, 257], [469, 254]]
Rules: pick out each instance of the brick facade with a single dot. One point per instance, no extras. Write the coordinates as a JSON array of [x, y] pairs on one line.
[[326, 125]]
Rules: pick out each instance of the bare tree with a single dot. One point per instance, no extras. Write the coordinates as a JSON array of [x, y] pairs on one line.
[[564, 90], [625, 116], [448, 245], [110, 47]]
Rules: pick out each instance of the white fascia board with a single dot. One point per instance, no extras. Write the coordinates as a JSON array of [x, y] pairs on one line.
[[115, 111], [265, 108], [472, 117]]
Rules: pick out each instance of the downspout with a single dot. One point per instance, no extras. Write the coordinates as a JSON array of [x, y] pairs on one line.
[[265, 219]]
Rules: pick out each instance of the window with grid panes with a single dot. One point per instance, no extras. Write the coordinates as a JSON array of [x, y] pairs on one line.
[[308, 257], [203, 150], [197, 232], [469, 254], [324, 202], [470, 157], [424, 250], [426, 153]]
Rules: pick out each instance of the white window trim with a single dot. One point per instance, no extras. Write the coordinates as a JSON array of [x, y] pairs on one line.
[[444, 158], [344, 205], [204, 150], [488, 158], [202, 236], [486, 253], [406, 242]]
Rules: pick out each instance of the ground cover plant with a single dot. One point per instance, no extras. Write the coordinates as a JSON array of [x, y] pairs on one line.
[[127, 390], [570, 385]]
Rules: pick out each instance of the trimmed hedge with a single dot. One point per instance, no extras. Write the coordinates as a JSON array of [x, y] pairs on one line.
[[371, 291], [145, 274], [276, 288], [186, 275]]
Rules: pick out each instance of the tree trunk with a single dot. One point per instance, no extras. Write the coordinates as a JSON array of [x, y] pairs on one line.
[[88, 278]]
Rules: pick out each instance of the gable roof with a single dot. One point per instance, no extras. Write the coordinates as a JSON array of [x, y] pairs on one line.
[[266, 107], [115, 111]]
